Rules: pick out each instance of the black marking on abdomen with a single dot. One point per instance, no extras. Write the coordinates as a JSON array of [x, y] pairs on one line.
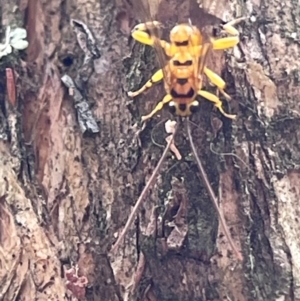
[[182, 81], [190, 94], [186, 63], [184, 43]]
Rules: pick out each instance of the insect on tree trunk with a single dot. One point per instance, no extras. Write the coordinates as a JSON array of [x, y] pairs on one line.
[[72, 165]]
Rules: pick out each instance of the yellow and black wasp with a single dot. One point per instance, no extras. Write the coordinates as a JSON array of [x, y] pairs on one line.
[[183, 72], [183, 68]]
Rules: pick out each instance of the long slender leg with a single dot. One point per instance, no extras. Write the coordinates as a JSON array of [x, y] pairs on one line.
[[218, 103], [228, 42], [212, 195], [145, 34], [217, 81], [228, 27], [155, 78], [158, 107], [225, 43], [143, 37], [142, 32]]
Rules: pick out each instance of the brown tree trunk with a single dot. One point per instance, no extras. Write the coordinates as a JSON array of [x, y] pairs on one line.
[[72, 166]]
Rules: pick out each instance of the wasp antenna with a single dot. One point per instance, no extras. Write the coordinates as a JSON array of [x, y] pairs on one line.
[[212, 194], [143, 194]]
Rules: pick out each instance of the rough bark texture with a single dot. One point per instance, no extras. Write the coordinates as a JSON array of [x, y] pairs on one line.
[[65, 193]]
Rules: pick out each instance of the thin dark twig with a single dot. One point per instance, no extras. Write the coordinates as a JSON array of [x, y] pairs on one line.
[[143, 194], [212, 194]]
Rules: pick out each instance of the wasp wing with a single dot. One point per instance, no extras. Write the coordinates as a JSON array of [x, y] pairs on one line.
[[146, 11], [204, 18]]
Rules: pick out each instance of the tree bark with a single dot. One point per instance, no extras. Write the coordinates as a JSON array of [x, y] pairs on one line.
[[72, 165]]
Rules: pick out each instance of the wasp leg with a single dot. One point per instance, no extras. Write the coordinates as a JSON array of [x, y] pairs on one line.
[[229, 42], [158, 107], [217, 81], [155, 78], [143, 37], [216, 101], [141, 34], [225, 43], [228, 27]]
